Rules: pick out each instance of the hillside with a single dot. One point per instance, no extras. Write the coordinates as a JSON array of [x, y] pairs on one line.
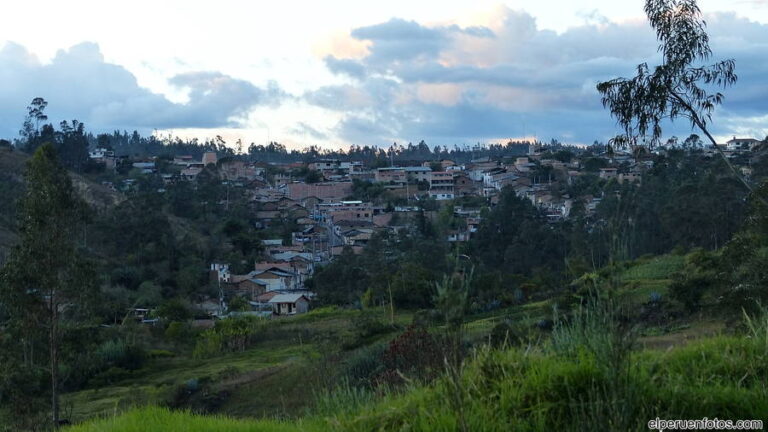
[[12, 168], [562, 384], [303, 370]]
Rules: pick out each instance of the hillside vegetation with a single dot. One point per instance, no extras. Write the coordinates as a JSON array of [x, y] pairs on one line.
[[581, 379], [589, 371], [12, 168]]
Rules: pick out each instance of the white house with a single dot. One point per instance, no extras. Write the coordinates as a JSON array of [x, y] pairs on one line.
[[736, 144]]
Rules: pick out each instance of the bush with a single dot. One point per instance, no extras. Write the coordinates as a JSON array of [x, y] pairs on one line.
[[160, 353], [415, 354], [174, 310], [230, 335], [177, 332], [503, 334], [118, 353], [363, 365]]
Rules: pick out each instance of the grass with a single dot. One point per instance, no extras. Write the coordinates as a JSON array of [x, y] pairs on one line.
[[162, 419], [658, 268], [583, 385], [268, 380], [585, 378], [529, 390], [648, 276], [155, 383]]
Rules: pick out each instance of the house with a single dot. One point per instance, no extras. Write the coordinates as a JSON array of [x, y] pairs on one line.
[[209, 158], [356, 236], [190, 173], [289, 304], [441, 185], [345, 210], [145, 167], [608, 173], [444, 164], [523, 165], [351, 167], [142, 315], [390, 175], [101, 153], [460, 236], [498, 181], [275, 278], [325, 165], [183, 160], [463, 185], [737, 144], [231, 169], [630, 177], [417, 173], [220, 272], [328, 191], [477, 169], [248, 287]]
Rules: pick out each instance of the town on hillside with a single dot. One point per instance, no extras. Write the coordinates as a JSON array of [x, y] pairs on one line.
[[336, 206]]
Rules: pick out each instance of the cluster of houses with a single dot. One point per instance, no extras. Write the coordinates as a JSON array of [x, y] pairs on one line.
[[328, 222], [274, 287]]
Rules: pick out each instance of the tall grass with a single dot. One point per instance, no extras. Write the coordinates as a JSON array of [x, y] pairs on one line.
[[598, 334], [757, 325], [344, 399]]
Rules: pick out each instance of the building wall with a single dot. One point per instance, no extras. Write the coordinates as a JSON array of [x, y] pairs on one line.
[[326, 191]]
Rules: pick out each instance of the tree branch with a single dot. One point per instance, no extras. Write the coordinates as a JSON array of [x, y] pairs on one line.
[[696, 120]]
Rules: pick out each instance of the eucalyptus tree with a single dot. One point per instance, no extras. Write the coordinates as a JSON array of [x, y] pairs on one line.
[[682, 86], [45, 279]]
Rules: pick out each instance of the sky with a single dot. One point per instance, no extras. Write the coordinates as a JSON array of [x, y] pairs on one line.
[[338, 73]]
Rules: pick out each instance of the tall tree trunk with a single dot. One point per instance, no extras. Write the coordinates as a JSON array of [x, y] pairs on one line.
[[53, 343]]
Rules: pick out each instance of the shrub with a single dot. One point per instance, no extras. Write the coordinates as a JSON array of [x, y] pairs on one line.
[[415, 354], [229, 335], [177, 331], [364, 365], [118, 353]]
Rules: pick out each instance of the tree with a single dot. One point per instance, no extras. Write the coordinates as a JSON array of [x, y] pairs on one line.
[[72, 145], [31, 129], [45, 277], [680, 87]]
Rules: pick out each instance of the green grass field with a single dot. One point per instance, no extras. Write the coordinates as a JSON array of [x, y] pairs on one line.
[[156, 382], [686, 369], [538, 389]]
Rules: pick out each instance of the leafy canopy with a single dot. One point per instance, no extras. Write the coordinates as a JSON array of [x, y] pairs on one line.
[[680, 87]]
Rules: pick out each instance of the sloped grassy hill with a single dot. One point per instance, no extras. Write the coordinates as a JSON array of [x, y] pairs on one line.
[[578, 379], [546, 388]]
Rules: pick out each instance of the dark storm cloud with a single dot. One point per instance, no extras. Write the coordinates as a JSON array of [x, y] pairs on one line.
[[79, 84]]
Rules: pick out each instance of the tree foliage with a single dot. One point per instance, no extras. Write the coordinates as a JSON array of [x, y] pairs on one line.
[[680, 87], [46, 284]]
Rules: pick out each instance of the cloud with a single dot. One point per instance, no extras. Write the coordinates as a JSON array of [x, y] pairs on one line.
[[303, 129], [510, 78], [79, 84], [351, 68]]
